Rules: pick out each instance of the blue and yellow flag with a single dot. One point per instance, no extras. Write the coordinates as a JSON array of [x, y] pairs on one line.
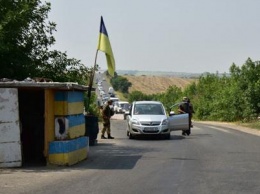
[[104, 45]]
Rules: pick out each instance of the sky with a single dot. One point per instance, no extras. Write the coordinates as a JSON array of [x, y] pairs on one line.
[[192, 36]]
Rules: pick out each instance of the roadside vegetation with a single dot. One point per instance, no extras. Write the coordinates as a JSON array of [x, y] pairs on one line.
[[233, 97]]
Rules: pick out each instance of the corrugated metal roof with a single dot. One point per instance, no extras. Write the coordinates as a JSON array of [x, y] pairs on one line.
[[31, 83]]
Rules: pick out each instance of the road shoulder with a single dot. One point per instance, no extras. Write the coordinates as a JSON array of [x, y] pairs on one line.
[[232, 126]]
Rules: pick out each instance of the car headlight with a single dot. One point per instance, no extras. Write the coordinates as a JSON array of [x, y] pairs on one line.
[[136, 122], [165, 122]]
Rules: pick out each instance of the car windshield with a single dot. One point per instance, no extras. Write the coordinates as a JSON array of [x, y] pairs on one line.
[[148, 109], [125, 106]]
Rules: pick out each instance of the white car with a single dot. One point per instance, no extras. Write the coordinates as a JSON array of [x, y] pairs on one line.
[[121, 106], [149, 117], [102, 92], [111, 90]]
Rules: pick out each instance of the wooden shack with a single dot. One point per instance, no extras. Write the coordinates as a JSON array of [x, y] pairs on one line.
[[42, 123]]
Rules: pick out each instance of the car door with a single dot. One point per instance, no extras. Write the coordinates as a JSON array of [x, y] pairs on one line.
[[115, 107], [178, 122], [129, 116]]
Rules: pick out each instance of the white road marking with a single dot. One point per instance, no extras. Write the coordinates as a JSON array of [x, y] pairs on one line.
[[220, 129], [195, 127]]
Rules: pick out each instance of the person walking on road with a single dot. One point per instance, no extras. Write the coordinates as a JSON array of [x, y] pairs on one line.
[[107, 112]]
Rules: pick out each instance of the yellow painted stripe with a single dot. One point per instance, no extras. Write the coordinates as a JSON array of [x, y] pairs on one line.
[[104, 45], [49, 131], [69, 158], [76, 131], [65, 108]]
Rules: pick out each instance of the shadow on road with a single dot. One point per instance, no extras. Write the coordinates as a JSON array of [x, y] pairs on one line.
[[157, 137]]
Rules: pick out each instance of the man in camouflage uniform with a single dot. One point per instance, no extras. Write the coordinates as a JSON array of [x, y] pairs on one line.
[[184, 107], [106, 114]]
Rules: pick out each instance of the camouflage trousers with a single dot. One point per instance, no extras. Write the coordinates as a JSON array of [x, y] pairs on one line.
[[106, 126]]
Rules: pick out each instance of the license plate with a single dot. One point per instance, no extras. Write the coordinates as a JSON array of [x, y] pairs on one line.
[[150, 129]]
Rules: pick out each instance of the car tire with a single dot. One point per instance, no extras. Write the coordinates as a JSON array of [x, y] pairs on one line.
[[131, 136]]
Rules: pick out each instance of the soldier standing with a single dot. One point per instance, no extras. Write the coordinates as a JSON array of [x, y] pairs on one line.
[[184, 107], [106, 114]]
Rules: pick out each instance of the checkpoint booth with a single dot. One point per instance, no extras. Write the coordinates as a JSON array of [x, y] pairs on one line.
[[42, 123]]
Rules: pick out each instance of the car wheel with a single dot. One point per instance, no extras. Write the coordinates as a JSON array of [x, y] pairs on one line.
[[131, 136]]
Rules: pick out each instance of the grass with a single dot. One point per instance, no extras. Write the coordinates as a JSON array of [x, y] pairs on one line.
[[121, 96], [252, 124]]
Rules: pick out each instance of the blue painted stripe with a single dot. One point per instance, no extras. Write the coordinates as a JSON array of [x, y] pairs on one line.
[[75, 120], [67, 146], [69, 96]]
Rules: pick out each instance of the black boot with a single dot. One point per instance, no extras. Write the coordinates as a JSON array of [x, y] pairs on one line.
[[110, 137], [103, 137]]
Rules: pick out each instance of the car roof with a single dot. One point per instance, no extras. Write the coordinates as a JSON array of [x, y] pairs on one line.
[[147, 102], [114, 98], [123, 102]]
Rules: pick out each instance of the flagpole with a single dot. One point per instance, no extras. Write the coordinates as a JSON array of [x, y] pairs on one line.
[[92, 75]]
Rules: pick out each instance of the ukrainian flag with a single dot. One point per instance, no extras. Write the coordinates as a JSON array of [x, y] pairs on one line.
[[104, 45]]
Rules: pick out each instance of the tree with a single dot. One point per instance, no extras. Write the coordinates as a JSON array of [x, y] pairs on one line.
[[25, 40], [248, 82], [137, 96], [120, 83], [233, 97], [170, 97]]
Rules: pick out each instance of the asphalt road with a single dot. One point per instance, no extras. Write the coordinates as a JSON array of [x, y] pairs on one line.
[[213, 159]]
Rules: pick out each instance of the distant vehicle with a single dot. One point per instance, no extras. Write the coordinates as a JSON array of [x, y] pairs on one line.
[[100, 102], [105, 99], [114, 99], [112, 95], [150, 118], [102, 92], [111, 91], [121, 106], [105, 95], [100, 88]]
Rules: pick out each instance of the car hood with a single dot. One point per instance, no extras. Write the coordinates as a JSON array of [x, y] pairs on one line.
[[149, 118]]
